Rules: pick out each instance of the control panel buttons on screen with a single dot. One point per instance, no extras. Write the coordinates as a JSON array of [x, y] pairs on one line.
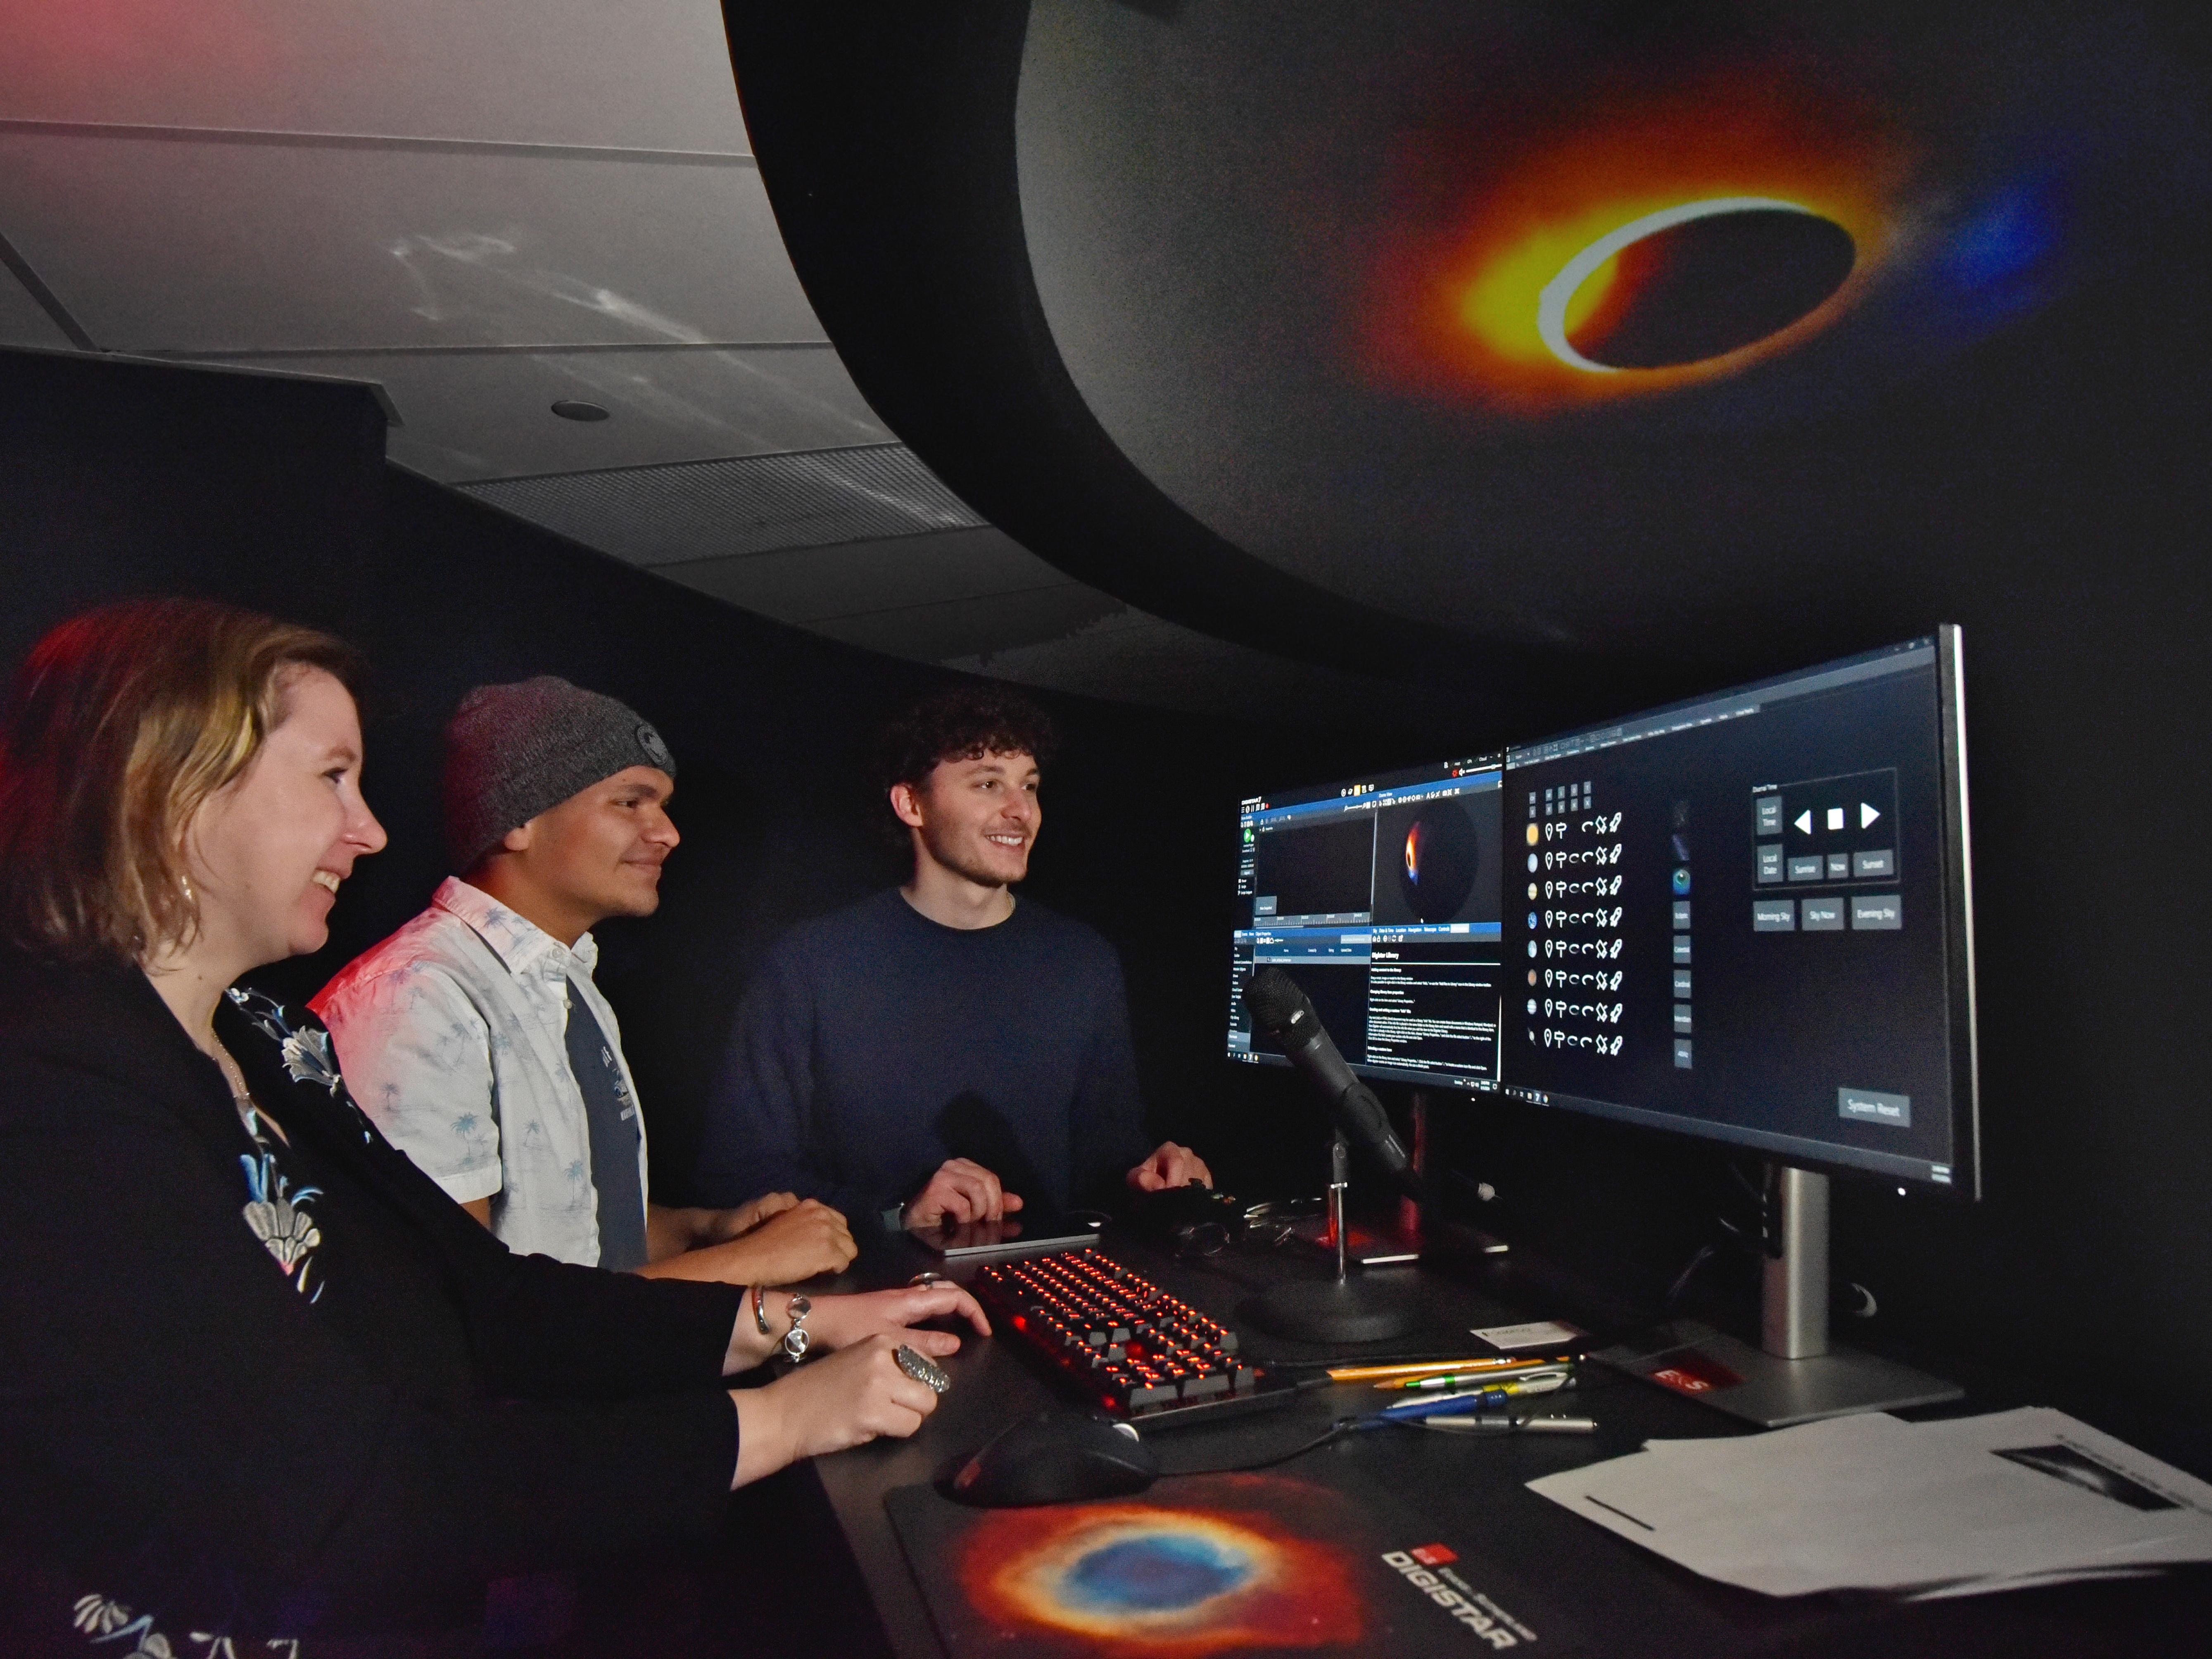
[[1832, 830], [1872, 1106], [1576, 929], [1682, 1017], [1877, 913], [1823, 916], [1682, 914], [1774, 916], [1681, 947], [1682, 1054], [1682, 984]]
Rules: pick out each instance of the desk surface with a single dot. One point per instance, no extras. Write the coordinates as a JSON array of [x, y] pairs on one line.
[[1479, 1484]]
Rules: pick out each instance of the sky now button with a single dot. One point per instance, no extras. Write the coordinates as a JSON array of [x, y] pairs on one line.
[[1872, 1106]]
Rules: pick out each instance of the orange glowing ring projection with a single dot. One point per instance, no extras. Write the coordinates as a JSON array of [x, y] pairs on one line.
[[1557, 295], [1544, 224]]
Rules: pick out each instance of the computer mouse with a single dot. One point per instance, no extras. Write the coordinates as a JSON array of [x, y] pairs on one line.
[[1057, 1457]]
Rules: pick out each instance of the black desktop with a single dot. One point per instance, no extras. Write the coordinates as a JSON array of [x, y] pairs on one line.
[[1745, 918]]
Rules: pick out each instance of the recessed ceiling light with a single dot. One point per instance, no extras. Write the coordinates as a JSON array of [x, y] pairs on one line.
[[569, 409]]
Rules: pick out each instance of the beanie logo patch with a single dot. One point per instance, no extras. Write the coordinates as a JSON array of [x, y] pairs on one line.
[[649, 740]]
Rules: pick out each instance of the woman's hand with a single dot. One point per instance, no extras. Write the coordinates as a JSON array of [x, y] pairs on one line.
[[841, 1321], [849, 1398]]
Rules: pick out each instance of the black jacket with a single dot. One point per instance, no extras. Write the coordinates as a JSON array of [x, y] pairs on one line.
[[221, 1441]]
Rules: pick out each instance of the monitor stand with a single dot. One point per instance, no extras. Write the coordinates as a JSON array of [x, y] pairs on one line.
[[1795, 1374]]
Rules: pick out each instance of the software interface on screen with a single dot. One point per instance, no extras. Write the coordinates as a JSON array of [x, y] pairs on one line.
[[1742, 917]]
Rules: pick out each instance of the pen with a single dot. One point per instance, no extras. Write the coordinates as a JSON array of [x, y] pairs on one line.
[[1432, 1367], [1474, 1399], [1454, 1379], [1514, 1424]]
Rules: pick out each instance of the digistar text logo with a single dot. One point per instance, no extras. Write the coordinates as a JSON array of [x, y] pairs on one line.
[[1468, 1608]]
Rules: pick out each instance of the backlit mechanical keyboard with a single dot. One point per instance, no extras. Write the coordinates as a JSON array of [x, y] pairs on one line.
[[1122, 1339]]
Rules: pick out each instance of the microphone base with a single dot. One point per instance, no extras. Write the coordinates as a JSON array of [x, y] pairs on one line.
[[1333, 1311]]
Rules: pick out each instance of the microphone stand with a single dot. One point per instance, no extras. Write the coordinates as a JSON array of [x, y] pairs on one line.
[[1341, 1310], [1339, 1177]]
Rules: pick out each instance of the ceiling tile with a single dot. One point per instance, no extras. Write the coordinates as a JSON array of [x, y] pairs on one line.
[[470, 415], [159, 246], [647, 73], [654, 515], [814, 584]]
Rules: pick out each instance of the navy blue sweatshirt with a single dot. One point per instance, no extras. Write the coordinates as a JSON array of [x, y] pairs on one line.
[[875, 1043]]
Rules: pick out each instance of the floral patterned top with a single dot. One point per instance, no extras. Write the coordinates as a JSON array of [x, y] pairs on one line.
[[284, 1217], [281, 1215]]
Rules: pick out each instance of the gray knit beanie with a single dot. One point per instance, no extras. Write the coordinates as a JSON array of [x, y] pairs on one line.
[[513, 751]]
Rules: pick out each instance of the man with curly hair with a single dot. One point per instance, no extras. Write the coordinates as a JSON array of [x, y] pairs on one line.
[[942, 1050]]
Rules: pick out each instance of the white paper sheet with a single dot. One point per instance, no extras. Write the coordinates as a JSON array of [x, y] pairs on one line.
[[1869, 1502]]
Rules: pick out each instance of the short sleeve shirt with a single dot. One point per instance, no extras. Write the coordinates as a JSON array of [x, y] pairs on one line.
[[453, 1034]]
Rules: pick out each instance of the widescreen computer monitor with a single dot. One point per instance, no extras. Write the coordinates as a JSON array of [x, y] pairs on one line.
[[1745, 918]]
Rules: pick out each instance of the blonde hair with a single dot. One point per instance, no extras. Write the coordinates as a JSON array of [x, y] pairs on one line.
[[121, 723]]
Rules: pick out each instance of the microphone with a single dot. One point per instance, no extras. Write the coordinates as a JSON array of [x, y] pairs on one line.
[[1287, 1014]]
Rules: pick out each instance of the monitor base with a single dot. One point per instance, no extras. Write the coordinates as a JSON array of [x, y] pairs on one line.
[[1331, 1310], [1700, 1364]]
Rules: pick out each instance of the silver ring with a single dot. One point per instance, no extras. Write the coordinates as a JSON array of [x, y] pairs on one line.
[[922, 1369], [922, 1281]]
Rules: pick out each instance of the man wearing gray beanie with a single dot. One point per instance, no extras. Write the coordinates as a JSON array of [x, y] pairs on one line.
[[475, 1037]]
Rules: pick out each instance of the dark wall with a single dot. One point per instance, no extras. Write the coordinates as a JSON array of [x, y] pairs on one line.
[[2042, 484], [2090, 1264], [122, 479]]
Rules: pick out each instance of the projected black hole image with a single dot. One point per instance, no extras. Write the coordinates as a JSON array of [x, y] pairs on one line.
[[1707, 285], [1441, 859]]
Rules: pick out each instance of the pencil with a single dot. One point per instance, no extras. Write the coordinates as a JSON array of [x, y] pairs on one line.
[[1433, 1367]]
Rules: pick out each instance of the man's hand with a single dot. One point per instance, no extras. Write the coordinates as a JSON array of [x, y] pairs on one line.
[[961, 1190], [1169, 1165], [803, 1239], [732, 1224]]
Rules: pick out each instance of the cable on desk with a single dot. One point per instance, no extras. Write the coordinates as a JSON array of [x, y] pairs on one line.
[[1342, 1426]]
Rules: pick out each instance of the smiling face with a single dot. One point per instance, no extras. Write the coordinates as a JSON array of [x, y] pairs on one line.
[[976, 819], [268, 850], [598, 853]]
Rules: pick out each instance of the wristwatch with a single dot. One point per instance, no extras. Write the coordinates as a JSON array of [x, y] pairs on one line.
[[796, 1339]]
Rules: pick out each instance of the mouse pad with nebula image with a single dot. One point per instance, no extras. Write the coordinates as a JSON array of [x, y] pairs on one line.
[[1231, 1564]]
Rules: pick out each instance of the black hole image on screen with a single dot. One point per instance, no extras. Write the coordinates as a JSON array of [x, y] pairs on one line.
[[1438, 862], [1712, 285]]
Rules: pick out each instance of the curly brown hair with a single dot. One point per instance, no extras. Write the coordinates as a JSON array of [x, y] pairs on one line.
[[961, 722], [122, 722]]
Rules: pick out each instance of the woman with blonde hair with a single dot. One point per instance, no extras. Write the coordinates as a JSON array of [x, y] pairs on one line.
[[263, 1380]]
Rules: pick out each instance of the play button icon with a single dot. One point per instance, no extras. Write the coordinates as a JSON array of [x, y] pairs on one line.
[[1866, 815], [1804, 822]]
